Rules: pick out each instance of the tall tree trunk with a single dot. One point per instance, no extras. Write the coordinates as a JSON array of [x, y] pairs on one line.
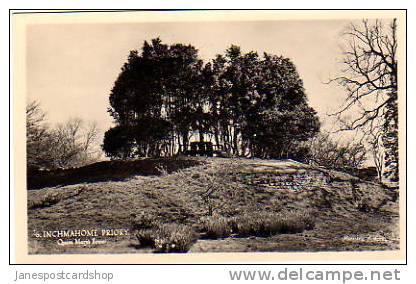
[[391, 139], [201, 134], [226, 139], [185, 140], [179, 144], [216, 136], [235, 141]]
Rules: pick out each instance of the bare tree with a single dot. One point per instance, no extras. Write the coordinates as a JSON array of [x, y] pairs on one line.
[[73, 143], [66, 148], [376, 150], [38, 137], [347, 156], [91, 133], [69, 144], [370, 78]]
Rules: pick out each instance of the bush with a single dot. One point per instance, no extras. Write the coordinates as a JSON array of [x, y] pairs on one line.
[[168, 238], [145, 226], [174, 238], [146, 237]]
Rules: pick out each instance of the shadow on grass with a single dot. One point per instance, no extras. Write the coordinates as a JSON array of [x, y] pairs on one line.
[[106, 171]]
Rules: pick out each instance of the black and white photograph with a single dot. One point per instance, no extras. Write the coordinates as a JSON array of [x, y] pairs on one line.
[[267, 134]]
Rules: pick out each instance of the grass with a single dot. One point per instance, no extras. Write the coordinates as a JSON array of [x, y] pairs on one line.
[[46, 201], [107, 171], [144, 221], [260, 224], [215, 227], [268, 224], [50, 197]]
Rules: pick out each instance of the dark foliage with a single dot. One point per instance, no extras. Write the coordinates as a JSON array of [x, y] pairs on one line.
[[148, 137], [246, 105]]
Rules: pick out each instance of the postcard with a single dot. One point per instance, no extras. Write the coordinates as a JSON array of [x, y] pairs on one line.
[[209, 136]]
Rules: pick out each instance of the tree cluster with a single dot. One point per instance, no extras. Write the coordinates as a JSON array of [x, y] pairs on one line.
[[245, 104]]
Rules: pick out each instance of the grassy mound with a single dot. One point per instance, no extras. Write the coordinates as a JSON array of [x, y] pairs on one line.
[[233, 202]]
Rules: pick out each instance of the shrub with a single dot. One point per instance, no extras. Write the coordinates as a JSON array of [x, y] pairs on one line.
[[216, 227], [146, 237], [167, 238], [144, 221], [174, 238], [145, 226]]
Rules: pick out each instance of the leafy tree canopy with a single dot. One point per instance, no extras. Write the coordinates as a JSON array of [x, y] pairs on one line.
[[245, 104]]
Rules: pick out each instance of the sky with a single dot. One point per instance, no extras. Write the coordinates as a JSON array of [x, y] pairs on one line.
[[71, 68]]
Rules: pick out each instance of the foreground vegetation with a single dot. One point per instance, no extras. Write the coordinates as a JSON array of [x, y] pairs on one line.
[[222, 205]]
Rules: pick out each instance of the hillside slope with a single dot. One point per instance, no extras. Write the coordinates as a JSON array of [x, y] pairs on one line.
[[350, 214]]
